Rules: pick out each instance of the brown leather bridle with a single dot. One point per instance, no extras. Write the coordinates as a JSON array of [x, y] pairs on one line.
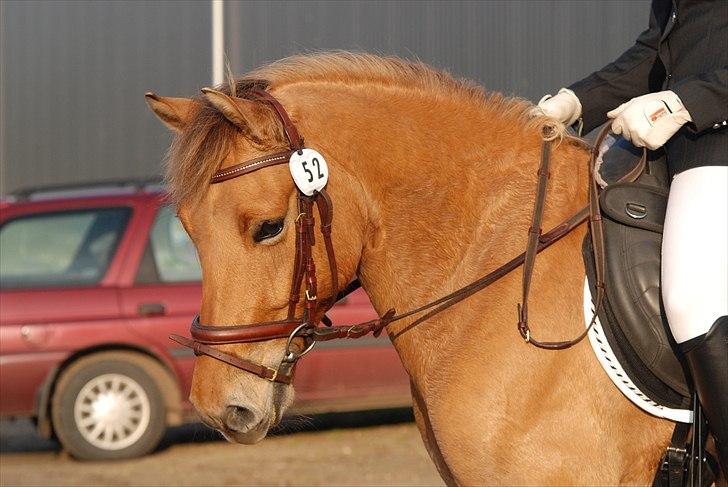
[[304, 268], [307, 327]]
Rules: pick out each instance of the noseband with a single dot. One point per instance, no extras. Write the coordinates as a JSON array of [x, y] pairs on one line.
[[205, 337]]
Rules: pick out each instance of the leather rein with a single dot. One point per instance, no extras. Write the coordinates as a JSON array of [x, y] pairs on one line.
[[308, 326]]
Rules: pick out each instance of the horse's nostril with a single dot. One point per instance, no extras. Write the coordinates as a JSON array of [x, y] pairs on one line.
[[238, 418]]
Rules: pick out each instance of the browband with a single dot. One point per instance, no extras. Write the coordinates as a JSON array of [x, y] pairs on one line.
[[251, 166]]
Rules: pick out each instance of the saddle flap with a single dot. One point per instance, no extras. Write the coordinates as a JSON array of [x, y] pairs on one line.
[[631, 315]]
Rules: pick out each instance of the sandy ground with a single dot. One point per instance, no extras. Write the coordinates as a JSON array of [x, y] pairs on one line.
[[327, 452]]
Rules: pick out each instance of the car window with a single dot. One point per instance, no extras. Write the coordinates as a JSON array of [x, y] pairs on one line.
[[172, 253], [70, 248]]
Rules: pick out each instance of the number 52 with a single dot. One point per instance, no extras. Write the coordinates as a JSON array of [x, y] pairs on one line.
[[315, 163]]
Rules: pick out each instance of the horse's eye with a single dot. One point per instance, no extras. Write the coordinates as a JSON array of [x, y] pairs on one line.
[[268, 229]]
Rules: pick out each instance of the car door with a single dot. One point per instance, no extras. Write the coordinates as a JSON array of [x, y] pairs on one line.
[[56, 293], [165, 292]]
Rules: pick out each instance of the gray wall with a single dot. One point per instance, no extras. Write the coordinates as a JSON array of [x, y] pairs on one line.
[[73, 80], [73, 74]]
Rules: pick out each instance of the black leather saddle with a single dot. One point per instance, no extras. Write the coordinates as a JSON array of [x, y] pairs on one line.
[[632, 314]]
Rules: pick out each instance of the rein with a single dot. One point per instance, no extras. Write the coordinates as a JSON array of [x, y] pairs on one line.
[[205, 337]]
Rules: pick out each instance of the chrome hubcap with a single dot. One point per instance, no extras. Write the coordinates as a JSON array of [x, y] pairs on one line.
[[112, 411]]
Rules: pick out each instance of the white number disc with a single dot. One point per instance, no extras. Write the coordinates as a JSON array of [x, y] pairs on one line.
[[309, 171]]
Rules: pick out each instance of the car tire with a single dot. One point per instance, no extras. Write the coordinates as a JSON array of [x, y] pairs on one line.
[[106, 407]]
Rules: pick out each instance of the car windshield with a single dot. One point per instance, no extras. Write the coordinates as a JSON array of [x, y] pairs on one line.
[[72, 248]]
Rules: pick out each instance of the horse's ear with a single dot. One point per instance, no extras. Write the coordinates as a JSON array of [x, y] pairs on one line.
[[174, 112], [249, 116]]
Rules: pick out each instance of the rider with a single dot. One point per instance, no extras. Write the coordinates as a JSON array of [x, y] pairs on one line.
[[671, 89]]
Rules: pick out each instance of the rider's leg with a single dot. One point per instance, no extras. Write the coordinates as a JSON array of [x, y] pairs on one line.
[[695, 287]]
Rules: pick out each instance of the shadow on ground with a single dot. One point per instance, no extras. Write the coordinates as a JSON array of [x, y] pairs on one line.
[[199, 433], [18, 436]]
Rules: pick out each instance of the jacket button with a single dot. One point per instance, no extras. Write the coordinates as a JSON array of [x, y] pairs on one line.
[[720, 124]]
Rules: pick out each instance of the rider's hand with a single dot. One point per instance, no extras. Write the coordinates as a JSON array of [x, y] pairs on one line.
[[650, 120], [565, 106]]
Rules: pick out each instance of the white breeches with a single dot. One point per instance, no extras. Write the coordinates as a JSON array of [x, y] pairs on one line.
[[695, 251]]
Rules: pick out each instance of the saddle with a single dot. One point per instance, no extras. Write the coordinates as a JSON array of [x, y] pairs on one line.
[[632, 316]]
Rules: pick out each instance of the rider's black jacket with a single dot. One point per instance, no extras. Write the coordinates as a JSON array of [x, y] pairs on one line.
[[685, 49]]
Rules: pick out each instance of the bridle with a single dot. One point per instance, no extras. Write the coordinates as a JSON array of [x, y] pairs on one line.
[[205, 337], [307, 327], [304, 273]]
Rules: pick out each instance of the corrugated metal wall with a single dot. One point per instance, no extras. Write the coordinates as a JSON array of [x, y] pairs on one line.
[[74, 73], [74, 76]]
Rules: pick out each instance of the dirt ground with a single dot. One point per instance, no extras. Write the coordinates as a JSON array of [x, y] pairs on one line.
[[373, 453]]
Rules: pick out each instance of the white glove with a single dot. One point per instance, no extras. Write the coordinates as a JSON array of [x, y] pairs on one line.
[[564, 107], [650, 120]]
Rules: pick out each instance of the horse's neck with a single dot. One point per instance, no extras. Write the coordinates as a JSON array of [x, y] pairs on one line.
[[452, 208], [449, 188], [447, 183]]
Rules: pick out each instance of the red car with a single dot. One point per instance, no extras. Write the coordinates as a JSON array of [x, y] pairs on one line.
[[92, 281]]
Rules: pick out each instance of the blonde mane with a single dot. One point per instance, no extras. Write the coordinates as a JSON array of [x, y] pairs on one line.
[[196, 152]]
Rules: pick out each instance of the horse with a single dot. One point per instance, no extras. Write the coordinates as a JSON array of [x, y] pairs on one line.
[[433, 180]]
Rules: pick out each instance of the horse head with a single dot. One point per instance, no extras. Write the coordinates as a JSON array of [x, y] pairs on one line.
[[245, 234]]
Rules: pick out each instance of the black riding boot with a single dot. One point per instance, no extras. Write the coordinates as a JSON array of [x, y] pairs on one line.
[[707, 358]]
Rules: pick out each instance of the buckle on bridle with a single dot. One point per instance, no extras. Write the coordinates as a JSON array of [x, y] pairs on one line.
[[309, 297], [275, 373]]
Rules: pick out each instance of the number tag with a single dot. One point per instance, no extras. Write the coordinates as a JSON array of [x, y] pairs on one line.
[[309, 171]]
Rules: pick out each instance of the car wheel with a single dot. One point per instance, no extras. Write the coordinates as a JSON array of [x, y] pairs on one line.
[[106, 406]]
